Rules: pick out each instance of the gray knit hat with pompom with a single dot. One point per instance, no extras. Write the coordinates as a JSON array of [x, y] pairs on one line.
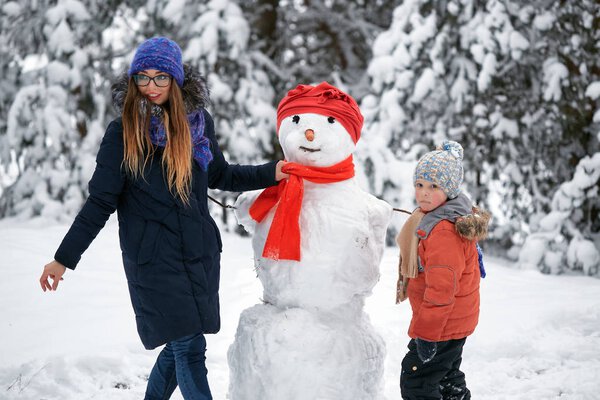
[[443, 167]]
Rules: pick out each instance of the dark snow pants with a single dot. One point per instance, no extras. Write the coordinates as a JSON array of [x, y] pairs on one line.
[[437, 379]]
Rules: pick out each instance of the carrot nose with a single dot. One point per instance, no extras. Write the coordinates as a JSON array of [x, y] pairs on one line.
[[310, 135]]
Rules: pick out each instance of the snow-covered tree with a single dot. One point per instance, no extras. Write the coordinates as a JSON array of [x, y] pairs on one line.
[[50, 58], [62, 55], [310, 41], [568, 237], [507, 79], [563, 240], [517, 83]]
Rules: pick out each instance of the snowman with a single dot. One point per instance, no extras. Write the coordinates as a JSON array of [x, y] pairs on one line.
[[318, 240]]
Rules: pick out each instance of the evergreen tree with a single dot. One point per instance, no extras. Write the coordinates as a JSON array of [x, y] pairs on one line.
[[249, 67], [563, 240], [516, 83], [505, 79], [311, 41], [50, 54]]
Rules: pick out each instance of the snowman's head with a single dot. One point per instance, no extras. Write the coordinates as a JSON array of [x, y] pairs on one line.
[[314, 140], [318, 125]]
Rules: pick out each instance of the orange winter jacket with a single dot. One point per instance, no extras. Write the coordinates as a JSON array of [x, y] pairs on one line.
[[445, 296]]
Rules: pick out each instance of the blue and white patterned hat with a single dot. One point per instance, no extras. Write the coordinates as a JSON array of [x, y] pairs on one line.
[[443, 167], [161, 54]]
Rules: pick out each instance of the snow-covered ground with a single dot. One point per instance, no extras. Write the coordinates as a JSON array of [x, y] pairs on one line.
[[539, 336]]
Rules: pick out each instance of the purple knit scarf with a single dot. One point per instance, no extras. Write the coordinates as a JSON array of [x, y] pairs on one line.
[[200, 143]]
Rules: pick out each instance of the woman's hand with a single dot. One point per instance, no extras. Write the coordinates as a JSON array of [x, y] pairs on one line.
[[278, 174], [54, 270]]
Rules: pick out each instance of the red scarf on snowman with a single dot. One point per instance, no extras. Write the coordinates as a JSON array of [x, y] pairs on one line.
[[283, 239]]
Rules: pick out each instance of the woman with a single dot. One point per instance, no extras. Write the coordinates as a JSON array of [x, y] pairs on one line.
[[154, 166]]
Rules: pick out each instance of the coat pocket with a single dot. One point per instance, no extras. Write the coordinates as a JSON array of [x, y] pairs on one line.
[[149, 242], [441, 285]]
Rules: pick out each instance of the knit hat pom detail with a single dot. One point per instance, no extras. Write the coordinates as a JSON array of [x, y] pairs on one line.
[[453, 148]]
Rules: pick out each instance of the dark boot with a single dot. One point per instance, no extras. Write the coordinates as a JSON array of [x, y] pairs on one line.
[[451, 392], [454, 386]]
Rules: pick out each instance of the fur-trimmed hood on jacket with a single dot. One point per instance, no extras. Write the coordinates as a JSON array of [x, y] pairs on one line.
[[474, 226], [195, 90]]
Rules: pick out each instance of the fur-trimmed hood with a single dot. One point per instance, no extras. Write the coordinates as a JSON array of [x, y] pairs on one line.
[[474, 226], [195, 90]]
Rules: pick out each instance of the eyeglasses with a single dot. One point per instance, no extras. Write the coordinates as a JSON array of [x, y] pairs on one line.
[[159, 80]]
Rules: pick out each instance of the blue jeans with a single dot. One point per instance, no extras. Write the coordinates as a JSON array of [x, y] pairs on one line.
[[181, 363]]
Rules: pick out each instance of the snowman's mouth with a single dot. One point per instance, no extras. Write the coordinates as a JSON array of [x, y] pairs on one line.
[[308, 150]]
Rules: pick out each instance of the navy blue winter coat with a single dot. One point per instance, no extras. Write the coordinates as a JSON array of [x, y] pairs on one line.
[[171, 252]]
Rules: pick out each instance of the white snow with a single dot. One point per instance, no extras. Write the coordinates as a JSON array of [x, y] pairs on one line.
[[518, 44], [382, 71], [544, 21], [173, 11], [424, 85], [488, 69], [593, 90], [554, 74], [478, 52], [553, 221], [62, 39], [236, 29], [538, 337], [219, 89], [67, 9], [12, 8], [582, 254], [460, 88], [503, 127], [423, 30]]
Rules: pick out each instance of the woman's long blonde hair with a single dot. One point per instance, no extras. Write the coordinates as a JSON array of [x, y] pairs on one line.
[[177, 156]]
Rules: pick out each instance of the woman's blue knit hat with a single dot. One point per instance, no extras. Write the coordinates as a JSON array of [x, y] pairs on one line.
[[443, 167], [161, 54]]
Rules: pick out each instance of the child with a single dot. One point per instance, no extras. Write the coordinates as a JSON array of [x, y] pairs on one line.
[[154, 166], [440, 273]]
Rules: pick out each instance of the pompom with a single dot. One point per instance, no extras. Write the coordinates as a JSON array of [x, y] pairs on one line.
[[453, 148]]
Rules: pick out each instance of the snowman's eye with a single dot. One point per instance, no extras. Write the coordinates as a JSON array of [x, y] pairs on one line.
[[295, 119], [331, 120]]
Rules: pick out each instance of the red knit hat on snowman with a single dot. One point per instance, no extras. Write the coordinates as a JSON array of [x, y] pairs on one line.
[[323, 99]]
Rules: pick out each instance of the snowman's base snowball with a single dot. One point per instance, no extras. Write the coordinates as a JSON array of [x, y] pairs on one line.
[[295, 354]]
